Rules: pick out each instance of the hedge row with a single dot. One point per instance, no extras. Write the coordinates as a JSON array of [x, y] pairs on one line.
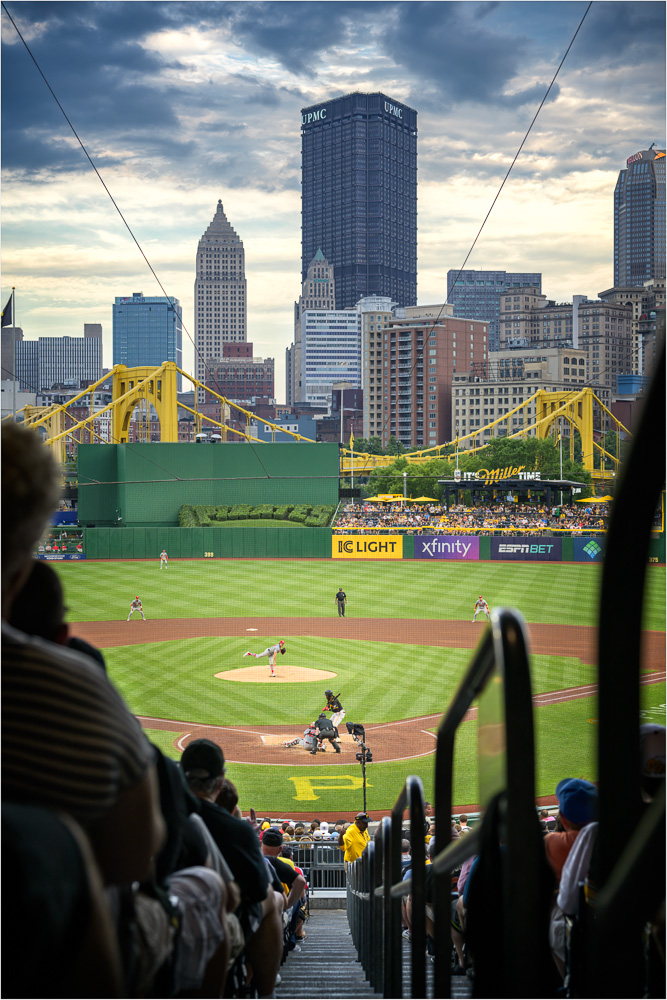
[[204, 515]]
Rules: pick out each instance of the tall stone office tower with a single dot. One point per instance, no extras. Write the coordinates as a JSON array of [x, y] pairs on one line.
[[220, 292], [359, 195]]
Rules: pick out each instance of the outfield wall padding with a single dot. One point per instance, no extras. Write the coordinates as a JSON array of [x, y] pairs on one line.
[[144, 484], [191, 543]]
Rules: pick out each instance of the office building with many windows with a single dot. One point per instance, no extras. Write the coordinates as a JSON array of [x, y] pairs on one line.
[[220, 292], [57, 361], [359, 195], [476, 294], [639, 219], [318, 291], [330, 353], [147, 330]]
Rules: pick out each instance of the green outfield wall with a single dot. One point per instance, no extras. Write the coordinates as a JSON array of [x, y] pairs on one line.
[[198, 543], [264, 541], [146, 484]]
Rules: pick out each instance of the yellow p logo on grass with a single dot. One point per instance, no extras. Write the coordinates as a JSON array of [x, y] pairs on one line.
[[305, 787]]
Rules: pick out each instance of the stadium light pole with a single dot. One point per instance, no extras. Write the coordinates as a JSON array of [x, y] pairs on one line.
[[560, 436]]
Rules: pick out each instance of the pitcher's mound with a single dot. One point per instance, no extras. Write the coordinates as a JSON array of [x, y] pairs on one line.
[[285, 674]]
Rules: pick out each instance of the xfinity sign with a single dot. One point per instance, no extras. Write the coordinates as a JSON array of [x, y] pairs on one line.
[[447, 547], [314, 116]]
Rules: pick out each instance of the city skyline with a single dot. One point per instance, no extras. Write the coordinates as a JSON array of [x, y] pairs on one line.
[[184, 105]]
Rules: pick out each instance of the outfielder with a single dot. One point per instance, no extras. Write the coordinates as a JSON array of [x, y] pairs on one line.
[[136, 605], [481, 608], [164, 561], [271, 652], [333, 705]]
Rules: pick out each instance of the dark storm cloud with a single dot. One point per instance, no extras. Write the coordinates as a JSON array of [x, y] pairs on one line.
[[621, 33]]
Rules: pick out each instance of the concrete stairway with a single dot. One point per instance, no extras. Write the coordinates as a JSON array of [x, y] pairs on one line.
[[327, 966]]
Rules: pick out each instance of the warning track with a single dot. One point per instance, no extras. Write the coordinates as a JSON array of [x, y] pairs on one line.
[[394, 741]]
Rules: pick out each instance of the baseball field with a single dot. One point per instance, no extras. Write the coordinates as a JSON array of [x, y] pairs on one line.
[[396, 659]]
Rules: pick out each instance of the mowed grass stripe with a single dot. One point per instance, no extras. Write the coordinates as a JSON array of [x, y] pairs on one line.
[[551, 593]]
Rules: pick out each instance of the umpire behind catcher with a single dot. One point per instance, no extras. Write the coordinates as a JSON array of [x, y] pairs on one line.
[[326, 731]]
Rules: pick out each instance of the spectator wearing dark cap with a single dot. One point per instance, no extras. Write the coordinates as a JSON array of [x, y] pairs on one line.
[[577, 803], [272, 844], [355, 839], [203, 764]]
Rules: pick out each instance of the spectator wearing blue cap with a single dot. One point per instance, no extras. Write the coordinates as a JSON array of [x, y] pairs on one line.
[[577, 804]]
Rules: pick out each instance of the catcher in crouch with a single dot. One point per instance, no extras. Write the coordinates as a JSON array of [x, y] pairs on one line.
[[271, 652]]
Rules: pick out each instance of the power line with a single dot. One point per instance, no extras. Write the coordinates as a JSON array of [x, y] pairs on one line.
[[495, 199]]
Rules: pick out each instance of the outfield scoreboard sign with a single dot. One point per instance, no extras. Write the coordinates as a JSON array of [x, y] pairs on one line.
[[527, 549], [447, 547], [367, 547]]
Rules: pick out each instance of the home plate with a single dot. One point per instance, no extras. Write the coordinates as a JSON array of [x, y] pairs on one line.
[[252, 630], [285, 674]]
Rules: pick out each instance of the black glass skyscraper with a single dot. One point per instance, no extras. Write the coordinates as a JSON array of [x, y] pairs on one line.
[[359, 195], [639, 219]]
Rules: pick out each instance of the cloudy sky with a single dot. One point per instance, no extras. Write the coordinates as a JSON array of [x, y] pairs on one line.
[[180, 104]]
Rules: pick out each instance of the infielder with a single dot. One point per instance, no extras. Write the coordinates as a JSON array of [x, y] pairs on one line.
[[164, 561], [309, 741], [333, 705], [271, 652], [136, 605], [481, 608]]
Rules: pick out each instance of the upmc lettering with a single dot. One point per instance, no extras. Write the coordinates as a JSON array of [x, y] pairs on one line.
[[314, 116], [393, 109]]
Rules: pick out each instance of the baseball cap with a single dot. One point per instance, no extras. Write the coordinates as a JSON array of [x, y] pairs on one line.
[[363, 817], [272, 837], [204, 757], [577, 800]]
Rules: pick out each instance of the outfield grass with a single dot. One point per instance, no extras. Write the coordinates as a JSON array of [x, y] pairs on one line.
[[381, 682], [564, 593]]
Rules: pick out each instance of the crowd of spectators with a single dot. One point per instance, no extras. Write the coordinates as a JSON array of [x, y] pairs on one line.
[[480, 520]]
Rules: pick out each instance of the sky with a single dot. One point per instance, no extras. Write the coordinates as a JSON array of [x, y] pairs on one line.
[[182, 104]]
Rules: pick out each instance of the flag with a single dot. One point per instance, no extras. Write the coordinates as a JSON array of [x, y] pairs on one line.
[[351, 440], [8, 312]]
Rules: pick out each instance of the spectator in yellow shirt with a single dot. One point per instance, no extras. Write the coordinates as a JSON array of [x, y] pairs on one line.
[[355, 838]]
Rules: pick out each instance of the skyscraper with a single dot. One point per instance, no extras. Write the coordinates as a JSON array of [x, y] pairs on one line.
[[220, 291], [147, 330], [49, 361], [476, 295], [317, 292], [639, 219], [359, 195]]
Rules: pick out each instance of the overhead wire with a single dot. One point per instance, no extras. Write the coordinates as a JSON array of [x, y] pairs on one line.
[[433, 325], [115, 204]]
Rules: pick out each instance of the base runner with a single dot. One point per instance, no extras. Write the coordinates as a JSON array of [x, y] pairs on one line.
[[271, 652], [308, 742], [481, 608]]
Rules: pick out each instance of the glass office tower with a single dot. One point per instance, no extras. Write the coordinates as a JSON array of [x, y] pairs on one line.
[[359, 195], [476, 295], [147, 330], [639, 219]]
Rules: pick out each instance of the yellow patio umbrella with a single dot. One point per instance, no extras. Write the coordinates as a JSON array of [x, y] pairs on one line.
[[422, 500], [594, 500]]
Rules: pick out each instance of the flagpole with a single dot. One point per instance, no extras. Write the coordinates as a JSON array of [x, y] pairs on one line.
[[14, 354]]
